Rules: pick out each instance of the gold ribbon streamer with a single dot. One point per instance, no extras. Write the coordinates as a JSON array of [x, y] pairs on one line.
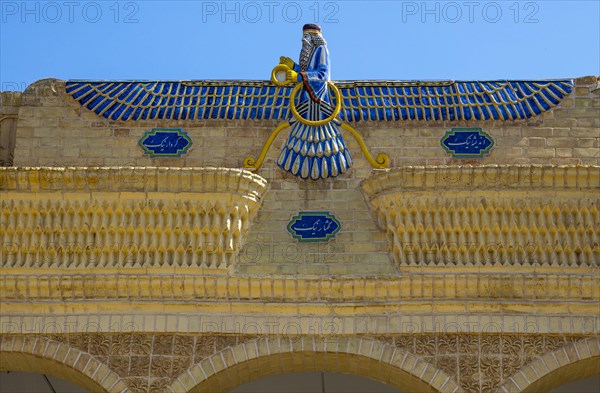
[[382, 161], [252, 164]]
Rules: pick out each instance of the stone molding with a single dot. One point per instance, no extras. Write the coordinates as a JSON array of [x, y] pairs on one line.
[[255, 318], [481, 177], [427, 284], [133, 179]]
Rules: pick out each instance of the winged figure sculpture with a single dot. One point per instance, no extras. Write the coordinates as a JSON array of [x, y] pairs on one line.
[[316, 109]]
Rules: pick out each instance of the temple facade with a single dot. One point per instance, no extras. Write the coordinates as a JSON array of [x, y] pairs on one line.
[[144, 251]]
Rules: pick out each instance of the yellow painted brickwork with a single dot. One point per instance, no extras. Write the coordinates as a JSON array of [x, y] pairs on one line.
[[173, 217], [101, 222], [498, 215]]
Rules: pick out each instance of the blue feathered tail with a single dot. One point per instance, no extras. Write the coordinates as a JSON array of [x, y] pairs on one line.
[[315, 152]]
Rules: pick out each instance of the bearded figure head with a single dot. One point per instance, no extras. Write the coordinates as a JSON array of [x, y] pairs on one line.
[[311, 40]]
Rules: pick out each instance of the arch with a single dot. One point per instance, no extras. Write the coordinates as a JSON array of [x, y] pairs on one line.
[[262, 357], [41, 355], [574, 361]]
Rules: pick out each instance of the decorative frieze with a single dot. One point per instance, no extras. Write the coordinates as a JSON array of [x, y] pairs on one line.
[[424, 284], [444, 216], [445, 362], [87, 219]]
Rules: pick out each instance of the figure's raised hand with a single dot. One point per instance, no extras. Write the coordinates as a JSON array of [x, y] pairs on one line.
[[292, 76], [287, 61]]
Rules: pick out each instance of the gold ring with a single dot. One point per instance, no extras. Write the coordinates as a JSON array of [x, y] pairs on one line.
[[336, 110], [276, 69]]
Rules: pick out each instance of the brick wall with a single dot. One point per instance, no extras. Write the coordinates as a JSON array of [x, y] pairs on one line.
[[53, 129]]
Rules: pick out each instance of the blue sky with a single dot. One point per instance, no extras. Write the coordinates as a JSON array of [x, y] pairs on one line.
[[399, 40]]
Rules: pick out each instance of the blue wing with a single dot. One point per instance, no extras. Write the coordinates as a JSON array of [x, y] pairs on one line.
[[460, 100], [136, 100], [362, 101]]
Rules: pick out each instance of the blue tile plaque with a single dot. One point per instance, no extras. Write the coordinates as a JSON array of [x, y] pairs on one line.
[[165, 142], [467, 142], [313, 226]]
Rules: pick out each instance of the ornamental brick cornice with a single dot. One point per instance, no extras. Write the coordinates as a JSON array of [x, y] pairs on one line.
[[103, 217], [517, 285], [133, 179], [482, 177], [489, 215]]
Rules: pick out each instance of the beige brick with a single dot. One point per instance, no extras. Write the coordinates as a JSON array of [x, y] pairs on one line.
[[520, 380], [585, 81], [594, 347], [510, 387], [196, 373], [583, 102], [561, 357], [588, 153], [511, 132], [7, 343], [561, 142], [95, 152], [409, 362], [109, 379], [71, 152], [99, 133], [540, 152], [567, 103], [584, 112], [537, 142], [179, 387], [101, 372], [585, 132], [72, 132], [73, 123], [588, 142], [46, 133], [563, 152], [51, 112], [508, 152], [590, 123], [120, 387], [92, 367], [582, 91], [121, 132], [537, 132], [556, 122], [207, 367]]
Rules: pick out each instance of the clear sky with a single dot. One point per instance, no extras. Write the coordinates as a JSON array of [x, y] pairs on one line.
[[398, 40]]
